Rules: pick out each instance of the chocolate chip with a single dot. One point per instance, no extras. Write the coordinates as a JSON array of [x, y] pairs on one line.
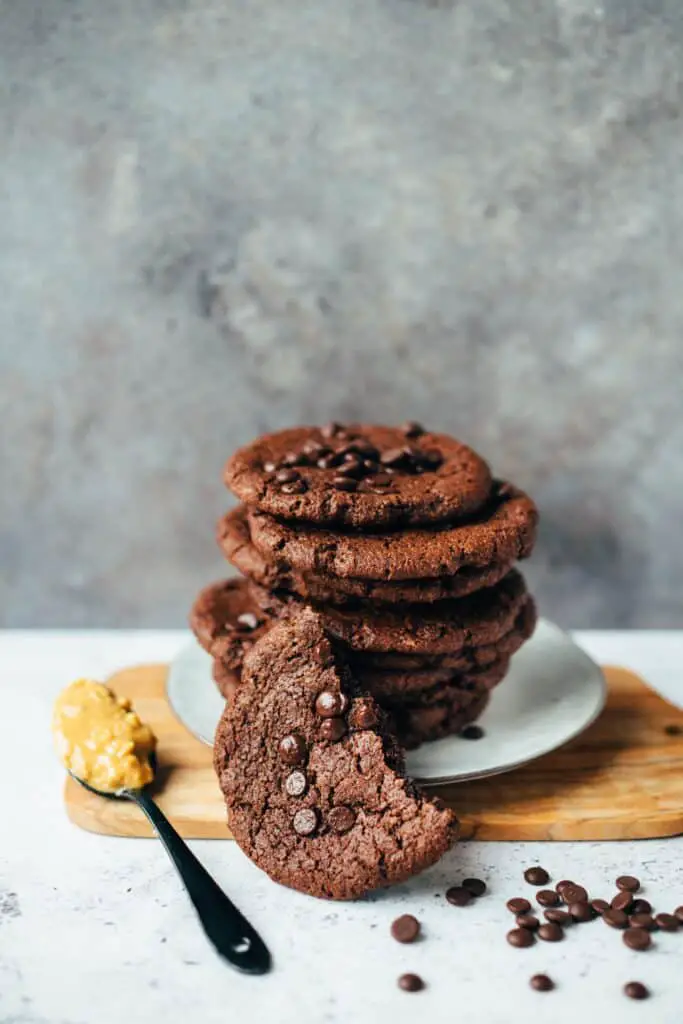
[[541, 983], [412, 429], [432, 457], [673, 730], [293, 749], [459, 896], [342, 483], [405, 928], [615, 918], [381, 480], [286, 476], [518, 905], [472, 732], [562, 917], [527, 921], [331, 429], [574, 894], [328, 461], [561, 886], [341, 819], [393, 457], [363, 715], [290, 459], [520, 937], [645, 921], [637, 939], [352, 468], [295, 487], [600, 906], [640, 906], [622, 901], [581, 911], [269, 466], [332, 729], [296, 784], [411, 983], [536, 876], [548, 898], [247, 620], [550, 932], [627, 883], [475, 885], [315, 448], [667, 922], [329, 704], [636, 990], [305, 821]]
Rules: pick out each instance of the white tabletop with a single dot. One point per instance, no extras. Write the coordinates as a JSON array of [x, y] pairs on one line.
[[96, 929]]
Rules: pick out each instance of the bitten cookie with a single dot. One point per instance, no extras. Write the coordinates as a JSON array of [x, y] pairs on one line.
[[360, 475], [312, 780]]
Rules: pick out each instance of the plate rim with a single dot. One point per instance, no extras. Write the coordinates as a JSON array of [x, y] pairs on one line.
[[449, 780]]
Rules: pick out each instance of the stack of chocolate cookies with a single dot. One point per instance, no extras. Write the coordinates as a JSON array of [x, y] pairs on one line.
[[405, 546]]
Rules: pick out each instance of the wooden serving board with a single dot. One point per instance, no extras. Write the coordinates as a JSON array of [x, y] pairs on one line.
[[621, 779]]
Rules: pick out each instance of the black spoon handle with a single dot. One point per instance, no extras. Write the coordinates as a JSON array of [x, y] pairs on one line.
[[229, 931]]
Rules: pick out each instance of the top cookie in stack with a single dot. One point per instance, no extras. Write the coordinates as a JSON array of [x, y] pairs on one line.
[[402, 542]]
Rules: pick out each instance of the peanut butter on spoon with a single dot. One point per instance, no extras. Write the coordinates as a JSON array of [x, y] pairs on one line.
[[100, 739]]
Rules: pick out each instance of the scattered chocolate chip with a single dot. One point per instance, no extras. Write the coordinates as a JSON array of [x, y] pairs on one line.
[[541, 983], [296, 784], [518, 905], [548, 898], [247, 620], [459, 896], [286, 476], [405, 928], [363, 715], [673, 730], [574, 894], [561, 886], [342, 483], [581, 911], [392, 457], [667, 922], [527, 921], [645, 921], [331, 429], [622, 901], [269, 466], [550, 932], [412, 429], [475, 885], [639, 906], [295, 487], [615, 918], [627, 883], [341, 819], [328, 461], [520, 937], [290, 459], [352, 468], [305, 821], [600, 906], [411, 983], [536, 876], [332, 729], [637, 939], [561, 917], [329, 704], [292, 749], [636, 990], [472, 732]]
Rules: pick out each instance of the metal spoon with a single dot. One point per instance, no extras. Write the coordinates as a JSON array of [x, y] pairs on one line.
[[228, 930]]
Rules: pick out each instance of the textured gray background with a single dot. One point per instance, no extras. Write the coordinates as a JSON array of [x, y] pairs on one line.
[[217, 218]]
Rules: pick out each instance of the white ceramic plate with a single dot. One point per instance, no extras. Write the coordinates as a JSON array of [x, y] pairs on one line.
[[552, 692]]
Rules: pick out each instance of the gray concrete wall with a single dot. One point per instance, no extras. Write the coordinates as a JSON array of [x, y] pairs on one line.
[[222, 217]]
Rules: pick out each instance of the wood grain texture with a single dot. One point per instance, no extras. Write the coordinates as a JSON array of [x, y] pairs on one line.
[[622, 779]]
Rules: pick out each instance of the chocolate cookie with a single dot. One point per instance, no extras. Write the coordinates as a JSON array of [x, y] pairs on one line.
[[226, 679], [503, 531], [439, 628], [312, 780], [232, 533], [421, 688], [227, 622], [360, 475], [416, 725]]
